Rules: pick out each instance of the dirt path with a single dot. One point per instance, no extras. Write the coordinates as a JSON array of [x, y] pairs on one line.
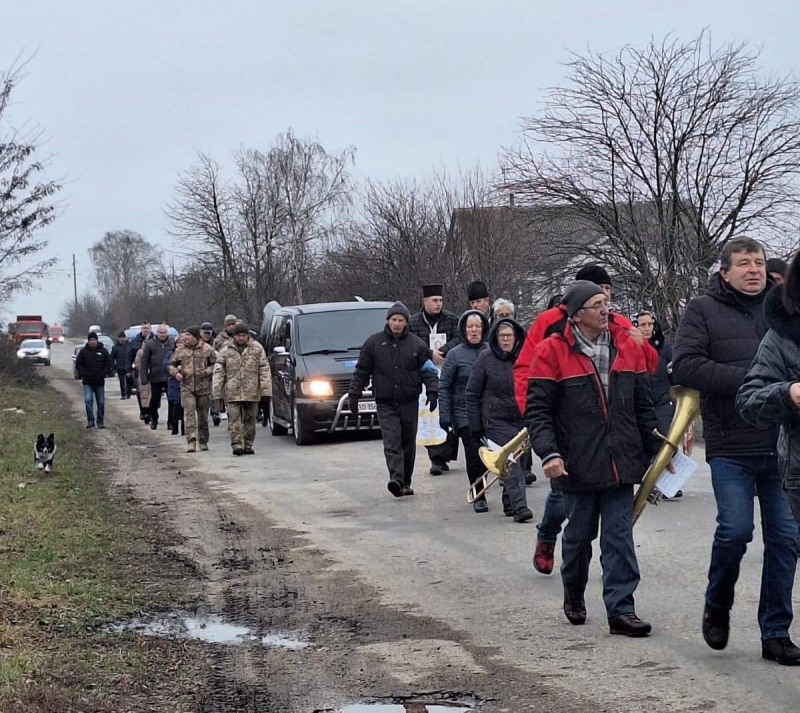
[[269, 579]]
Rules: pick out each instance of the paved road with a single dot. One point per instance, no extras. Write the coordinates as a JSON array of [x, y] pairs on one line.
[[432, 555]]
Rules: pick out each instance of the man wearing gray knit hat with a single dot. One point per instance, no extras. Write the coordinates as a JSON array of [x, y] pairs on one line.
[[393, 359], [592, 423], [226, 334]]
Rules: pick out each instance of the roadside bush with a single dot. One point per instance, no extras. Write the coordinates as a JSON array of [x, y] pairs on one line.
[[16, 372]]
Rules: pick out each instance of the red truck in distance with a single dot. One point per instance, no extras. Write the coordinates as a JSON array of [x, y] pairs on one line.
[[30, 326]]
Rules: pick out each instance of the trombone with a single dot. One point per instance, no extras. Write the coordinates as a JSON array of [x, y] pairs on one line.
[[498, 464]]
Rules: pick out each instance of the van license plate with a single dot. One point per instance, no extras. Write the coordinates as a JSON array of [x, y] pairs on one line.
[[367, 407]]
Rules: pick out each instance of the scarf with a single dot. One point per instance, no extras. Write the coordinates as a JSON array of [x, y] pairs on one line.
[[599, 353]]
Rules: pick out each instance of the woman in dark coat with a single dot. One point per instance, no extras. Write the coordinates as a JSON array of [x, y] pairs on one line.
[[770, 393], [457, 367], [492, 409]]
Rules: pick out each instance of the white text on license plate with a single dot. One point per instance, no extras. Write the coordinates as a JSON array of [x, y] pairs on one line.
[[367, 406]]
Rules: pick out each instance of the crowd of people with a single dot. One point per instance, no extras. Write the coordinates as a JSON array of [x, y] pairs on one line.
[[201, 374], [593, 389]]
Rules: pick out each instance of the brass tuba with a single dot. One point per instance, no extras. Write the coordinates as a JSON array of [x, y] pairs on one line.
[[498, 463], [687, 407]]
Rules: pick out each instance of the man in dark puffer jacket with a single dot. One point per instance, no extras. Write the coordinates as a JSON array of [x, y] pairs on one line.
[[393, 359], [93, 364], [717, 339]]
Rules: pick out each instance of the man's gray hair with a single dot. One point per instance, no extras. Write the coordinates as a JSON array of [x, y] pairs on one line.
[[499, 303]]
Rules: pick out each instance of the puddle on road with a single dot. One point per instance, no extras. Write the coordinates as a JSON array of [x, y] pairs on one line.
[[211, 629], [403, 708]]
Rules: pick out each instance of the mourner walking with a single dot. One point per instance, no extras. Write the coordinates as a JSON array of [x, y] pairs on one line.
[[492, 410], [472, 328], [119, 360], [592, 423], [153, 371], [717, 340], [394, 359], [193, 366], [93, 365], [438, 329], [241, 378], [134, 346]]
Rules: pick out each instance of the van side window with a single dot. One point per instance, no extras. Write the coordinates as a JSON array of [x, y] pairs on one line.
[[287, 335], [276, 333]]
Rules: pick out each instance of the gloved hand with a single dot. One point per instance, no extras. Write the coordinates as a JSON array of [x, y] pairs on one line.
[[353, 400], [445, 425], [433, 402], [478, 435]]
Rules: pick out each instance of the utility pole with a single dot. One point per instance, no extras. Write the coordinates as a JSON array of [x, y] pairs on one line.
[[75, 281]]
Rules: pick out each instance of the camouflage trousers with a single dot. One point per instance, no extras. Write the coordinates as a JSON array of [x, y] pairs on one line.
[[242, 422], [195, 416]]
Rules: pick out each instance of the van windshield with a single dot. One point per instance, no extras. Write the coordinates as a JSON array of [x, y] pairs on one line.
[[336, 332]]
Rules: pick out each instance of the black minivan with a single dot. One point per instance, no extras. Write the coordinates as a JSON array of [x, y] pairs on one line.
[[312, 352]]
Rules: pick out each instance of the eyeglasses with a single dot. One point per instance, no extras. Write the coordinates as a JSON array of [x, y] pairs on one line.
[[505, 336], [597, 308]]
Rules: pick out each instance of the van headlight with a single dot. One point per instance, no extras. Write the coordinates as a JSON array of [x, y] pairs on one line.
[[316, 387], [20, 353]]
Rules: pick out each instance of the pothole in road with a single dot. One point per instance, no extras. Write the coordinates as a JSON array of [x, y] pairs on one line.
[[211, 629], [431, 702]]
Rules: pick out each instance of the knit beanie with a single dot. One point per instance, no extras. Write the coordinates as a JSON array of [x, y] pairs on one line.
[[594, 273], [194, 330], [230, 319], [92, 335], [241, 328], [577, 293], [400, 309]]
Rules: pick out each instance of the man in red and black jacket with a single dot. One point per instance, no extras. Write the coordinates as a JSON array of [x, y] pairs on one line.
[[552, 321], [592, 422]]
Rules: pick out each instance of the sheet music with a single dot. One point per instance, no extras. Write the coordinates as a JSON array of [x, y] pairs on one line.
[[670, 483]]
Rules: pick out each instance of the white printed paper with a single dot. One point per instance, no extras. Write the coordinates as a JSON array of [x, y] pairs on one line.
[[670, 483], [437, 341]]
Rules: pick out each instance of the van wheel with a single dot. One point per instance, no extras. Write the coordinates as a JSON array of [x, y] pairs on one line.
[[302, 436], [275, 428]]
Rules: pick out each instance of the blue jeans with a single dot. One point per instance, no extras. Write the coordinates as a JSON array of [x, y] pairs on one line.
[[552, 518], [90, 393], [733, 480], [612, 511]]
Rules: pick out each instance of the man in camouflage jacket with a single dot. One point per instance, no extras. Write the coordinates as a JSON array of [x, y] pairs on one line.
[[225, 336], [192, 365], [242, 377]]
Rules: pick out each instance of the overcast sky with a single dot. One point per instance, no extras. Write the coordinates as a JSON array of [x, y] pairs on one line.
[[127, 92]]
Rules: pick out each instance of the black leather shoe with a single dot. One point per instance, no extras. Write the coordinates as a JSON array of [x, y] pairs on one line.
[[146, 419], [628, 625], [395, 488], [574, 606], [436, 468], [101, 425], [716, 627], [408, 490], [480, 506], [530, 478], [781, 650], [216, 420], [445, 467], [523, 515], [153, 425], [238, 451], [249, 452]]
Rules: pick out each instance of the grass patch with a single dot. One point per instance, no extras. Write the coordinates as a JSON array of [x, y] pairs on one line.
[[74, 557]]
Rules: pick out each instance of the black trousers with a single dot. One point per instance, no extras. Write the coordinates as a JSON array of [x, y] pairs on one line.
[[399, 430], [156, 391], [475, 466], [125, 383], [175, 416]]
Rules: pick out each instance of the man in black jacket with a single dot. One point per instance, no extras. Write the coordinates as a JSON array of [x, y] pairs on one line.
[[438, 329], [119, 359], [717, 339], [93, 364], [394, 360], [134, 346], [154, 369]]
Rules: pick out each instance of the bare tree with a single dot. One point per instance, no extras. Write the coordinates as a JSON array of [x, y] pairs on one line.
[[314, 188], [123, 261], [25, 200], [667, 152]]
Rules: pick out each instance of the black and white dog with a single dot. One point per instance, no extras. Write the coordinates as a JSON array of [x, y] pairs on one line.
[[44, 452]]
